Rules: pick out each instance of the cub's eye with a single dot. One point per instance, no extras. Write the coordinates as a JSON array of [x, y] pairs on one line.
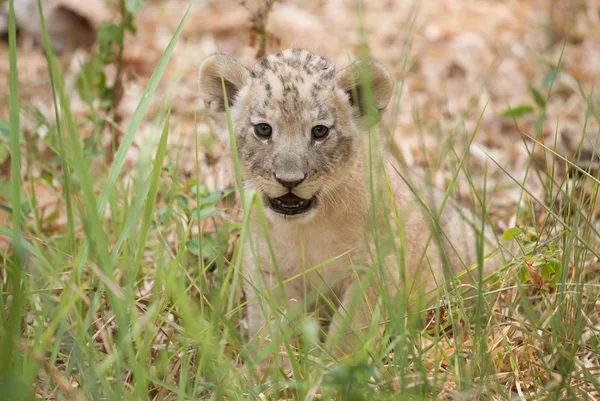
[[263, 130], [319, 131]]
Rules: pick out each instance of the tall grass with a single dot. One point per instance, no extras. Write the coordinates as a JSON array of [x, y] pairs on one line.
[[10, 322], [124, 309]]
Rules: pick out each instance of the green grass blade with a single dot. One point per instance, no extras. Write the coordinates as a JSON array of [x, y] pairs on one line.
[[138, 116], [66, 178], [96, 235], [151, 200], [15, 160], [13, 329]]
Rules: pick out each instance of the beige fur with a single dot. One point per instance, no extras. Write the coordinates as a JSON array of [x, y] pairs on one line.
[[292, 92]]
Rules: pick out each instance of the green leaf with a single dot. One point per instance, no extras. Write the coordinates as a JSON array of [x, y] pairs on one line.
[[511, 233], [163, 213], [134, 6], [538, 262], [529, 247], [557, 269], [216, 196], [192, 247], [128, 23], [182, 201], [52, 217], [531, 235], [4, 128], [3, 152], [517, 112], [108, 34], [202, 189], [547, 271], [211, 247], [204, 212], [94, 76], [6, 208], [522, 274], [551, 76], [5, 131], [537, 97]]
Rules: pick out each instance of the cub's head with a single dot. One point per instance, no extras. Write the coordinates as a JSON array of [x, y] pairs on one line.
[[296, 122]]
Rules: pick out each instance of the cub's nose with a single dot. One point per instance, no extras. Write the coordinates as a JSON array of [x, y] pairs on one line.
[[289, 181]]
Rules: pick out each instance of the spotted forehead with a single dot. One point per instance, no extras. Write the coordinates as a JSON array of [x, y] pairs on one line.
[[294, 62], [292, 81]]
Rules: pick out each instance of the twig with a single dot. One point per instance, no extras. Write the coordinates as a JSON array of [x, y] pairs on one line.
[[259, 25]]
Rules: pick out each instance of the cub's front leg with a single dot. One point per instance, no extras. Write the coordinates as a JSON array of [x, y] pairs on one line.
[[266, 318], [353, 320]]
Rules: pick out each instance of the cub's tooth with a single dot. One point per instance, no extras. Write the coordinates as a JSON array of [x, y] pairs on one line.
[[302, 202]]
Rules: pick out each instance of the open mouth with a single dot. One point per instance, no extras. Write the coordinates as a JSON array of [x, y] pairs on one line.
[[290, 204]]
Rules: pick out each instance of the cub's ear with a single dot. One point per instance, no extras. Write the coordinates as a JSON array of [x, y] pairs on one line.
[[359, 75], [234, 75]]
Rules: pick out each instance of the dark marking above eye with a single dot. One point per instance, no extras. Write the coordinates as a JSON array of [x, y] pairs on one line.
[[315, 88], [323, 112], [290, 89], [259, 112]]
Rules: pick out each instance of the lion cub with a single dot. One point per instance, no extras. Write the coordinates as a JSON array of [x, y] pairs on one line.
[[301, 126]]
